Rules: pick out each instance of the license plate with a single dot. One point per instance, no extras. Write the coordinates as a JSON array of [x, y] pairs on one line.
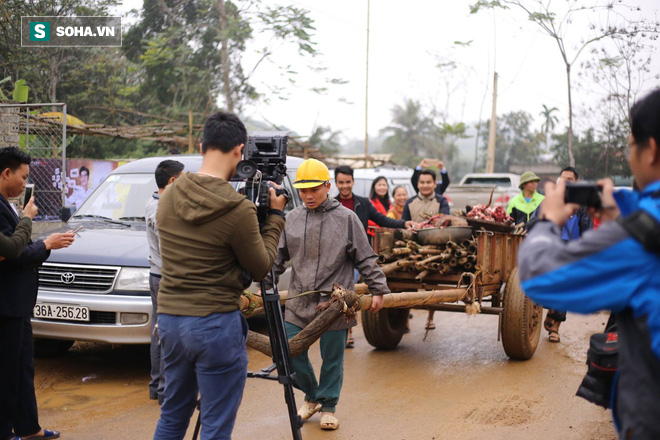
[[60, 311]]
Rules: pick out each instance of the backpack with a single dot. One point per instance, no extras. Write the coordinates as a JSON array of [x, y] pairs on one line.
[[603, 356]]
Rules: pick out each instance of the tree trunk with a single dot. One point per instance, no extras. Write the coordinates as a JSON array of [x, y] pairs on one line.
[[571, 158], [312, 332], [224, 58]]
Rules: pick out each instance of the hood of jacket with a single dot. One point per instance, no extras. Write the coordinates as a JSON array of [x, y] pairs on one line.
[[199, 199], [328, 205]]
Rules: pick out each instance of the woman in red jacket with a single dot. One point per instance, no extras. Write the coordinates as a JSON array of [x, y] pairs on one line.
[[379, 196]]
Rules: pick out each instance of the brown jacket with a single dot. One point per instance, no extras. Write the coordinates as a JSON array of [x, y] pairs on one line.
[[324, 246], [209, 233]]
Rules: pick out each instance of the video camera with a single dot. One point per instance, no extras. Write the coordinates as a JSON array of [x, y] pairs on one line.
[[265, 161]]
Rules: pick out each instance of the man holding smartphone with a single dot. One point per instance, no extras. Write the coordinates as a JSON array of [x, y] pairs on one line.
[[18, 295], [616, 268]]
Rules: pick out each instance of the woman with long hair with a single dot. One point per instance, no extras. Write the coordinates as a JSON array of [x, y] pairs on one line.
[[400, 196], [379, 196]]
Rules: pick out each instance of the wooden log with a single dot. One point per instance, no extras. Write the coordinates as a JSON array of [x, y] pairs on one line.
[[423, 264], [412, 245], [472, 249], [303, 340], [453, 262], [420, 276], [385, 257], [451, 246], [468, 266], [397, 265], [462, 260], [458, 253], [412, 299], [400, 243], [311, 333], [401, 251]]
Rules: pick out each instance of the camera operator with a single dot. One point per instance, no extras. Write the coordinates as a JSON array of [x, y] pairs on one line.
[[209, 234], [610, 269]]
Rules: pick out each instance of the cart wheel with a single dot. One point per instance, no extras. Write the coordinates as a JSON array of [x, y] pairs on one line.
[[521, 320], [384, 329], [47, 348]]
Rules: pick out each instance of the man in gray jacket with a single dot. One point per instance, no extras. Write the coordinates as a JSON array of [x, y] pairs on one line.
[[324, 241], [166, 172]]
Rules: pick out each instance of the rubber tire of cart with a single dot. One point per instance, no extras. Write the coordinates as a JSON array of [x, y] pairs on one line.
[[384, 329], [521, 320], [47, 348]]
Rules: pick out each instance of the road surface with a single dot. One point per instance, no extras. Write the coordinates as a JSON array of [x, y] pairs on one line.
[[458, 384]]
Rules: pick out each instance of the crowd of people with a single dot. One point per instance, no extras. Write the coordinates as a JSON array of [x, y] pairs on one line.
[[204, 236]]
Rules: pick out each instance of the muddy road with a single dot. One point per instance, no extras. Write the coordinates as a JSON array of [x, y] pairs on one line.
[[458, 384]]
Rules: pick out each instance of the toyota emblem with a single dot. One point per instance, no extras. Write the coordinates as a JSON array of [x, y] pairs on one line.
[[68, 278]]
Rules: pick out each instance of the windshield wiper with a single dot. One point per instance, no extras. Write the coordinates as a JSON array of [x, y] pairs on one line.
[[105, 219], [132, 219]]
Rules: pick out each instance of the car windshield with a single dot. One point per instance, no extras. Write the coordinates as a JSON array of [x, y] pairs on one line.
[[120, 196]]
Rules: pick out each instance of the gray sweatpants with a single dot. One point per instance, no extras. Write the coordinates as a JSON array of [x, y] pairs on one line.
[[157, 382]]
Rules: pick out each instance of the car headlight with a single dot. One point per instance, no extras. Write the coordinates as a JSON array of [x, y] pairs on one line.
[[133, 278]]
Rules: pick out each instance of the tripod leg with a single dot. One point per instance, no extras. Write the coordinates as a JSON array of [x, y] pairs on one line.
[[281, 355]]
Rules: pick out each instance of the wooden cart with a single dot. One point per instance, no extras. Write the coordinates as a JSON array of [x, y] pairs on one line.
[[496, 288]]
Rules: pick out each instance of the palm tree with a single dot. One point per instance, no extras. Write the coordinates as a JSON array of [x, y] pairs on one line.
[[409, 133], [549, 123]]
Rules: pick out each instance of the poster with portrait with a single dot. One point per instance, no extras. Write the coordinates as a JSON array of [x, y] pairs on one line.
[[80, 179]]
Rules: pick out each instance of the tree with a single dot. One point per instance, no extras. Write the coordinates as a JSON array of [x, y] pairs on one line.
[[593, 159], [325, 139], [549, 122], [409, 136], [516, 143], [540, 13], [191, 45]]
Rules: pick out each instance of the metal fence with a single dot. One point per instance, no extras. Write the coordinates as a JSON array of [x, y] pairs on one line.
[[40, 130]]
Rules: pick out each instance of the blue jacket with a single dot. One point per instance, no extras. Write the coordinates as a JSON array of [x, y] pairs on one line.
[[608, 270]]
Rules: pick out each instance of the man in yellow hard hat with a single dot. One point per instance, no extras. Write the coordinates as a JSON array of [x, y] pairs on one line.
[[325, 242]]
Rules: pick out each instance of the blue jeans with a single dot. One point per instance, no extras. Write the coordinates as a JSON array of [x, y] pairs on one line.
[[208, 352]]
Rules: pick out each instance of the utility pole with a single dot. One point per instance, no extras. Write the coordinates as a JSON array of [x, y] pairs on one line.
[[490, 164], [366, 98]]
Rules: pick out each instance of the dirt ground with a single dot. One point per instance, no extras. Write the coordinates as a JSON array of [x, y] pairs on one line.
[[458, 384]]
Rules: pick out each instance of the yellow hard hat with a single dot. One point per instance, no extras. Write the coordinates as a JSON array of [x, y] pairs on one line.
[[311, 173]]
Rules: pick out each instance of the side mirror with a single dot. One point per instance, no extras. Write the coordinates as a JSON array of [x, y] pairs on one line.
[[67, 212]]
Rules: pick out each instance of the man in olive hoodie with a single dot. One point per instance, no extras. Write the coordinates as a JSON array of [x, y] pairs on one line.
[[209, 234], [324, 241]]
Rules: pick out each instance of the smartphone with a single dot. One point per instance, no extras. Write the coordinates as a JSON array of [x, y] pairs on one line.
[[583, 194], [29, 190]]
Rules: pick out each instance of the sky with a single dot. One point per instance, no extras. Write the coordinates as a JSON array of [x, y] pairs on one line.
[[406, 40]]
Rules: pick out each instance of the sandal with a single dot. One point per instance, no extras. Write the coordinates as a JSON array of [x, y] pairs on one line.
[[306, 411], [329, 422], [350, 342], [430, 326], [553, 336]]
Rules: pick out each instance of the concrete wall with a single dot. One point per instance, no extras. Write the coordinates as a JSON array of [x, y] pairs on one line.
[[9, 120]]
